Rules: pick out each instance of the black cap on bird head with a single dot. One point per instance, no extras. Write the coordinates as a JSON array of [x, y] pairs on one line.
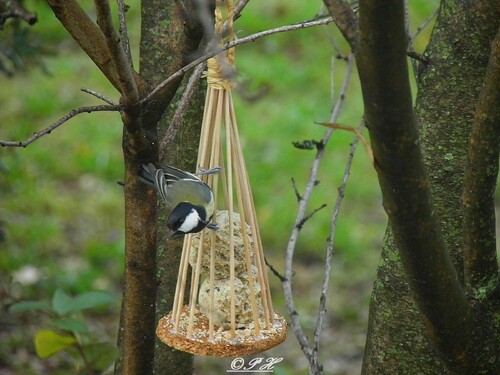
[[186, 218]]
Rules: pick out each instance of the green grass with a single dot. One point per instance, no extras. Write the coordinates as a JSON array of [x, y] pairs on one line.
[[61, 209]]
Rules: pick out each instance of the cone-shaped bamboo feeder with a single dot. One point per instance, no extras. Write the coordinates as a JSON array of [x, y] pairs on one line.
[[230, 311]]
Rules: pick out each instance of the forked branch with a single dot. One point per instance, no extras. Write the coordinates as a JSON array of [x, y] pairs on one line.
[[310, 350], [89, 37], [128, 87]]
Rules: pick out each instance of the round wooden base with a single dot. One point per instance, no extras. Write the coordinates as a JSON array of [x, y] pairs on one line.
[[244, 342]]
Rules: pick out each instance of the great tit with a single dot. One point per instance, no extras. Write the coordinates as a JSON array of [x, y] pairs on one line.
[[189, 199]]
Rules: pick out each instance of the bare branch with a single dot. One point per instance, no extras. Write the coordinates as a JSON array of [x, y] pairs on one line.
[[307, 217], [417, 56], [411, 37], [98, 96], [329, 248], [247, 39], [89, 37], [296, 191], [274, 270], [238, 8], [424, 24], [62, 120], [128, 87], [181, 109], [345, 19], [357, 132], [124, 39], [306, 348], [480, 256]]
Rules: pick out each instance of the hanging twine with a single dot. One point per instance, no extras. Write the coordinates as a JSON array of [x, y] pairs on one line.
[[221, 68], [217, 75]]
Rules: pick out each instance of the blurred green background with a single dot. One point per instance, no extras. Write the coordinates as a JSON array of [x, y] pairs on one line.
[[61, 210]]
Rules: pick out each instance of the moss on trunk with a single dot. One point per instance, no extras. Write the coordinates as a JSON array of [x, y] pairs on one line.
[[169, 37], [448, 87]]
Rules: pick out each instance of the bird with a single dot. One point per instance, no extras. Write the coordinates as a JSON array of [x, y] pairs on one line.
[[190, 200]]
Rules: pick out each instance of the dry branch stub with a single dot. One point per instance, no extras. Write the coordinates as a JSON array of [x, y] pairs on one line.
[[230, 311]]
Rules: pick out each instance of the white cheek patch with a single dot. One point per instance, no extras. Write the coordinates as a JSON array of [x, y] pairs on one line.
[[191, 222]]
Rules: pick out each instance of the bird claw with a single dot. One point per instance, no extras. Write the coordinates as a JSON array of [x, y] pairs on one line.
[[213, 226], [214, 170]]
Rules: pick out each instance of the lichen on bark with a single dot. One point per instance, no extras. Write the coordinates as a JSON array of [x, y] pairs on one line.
[[448, 88]]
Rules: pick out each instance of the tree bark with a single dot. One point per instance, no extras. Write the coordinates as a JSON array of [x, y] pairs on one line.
[[182, 153], [170, 35], [398, 340], [478, 198]]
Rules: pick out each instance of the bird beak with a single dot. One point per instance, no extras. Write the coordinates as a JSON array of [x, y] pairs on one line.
[[170, 234]]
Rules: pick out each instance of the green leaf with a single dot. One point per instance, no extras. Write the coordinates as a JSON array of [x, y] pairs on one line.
[[92, 299], [48, 342], [71, 324], [101, 355], [29, 306], [62, 303]]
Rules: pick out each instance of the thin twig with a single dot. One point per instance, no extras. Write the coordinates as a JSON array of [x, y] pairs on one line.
[[307, 217], [351, 129], [181, 109], [296, 191], [125, 41], [128, 87], [274, 271], [329, 248], [238, 8], [247, 39], [424, 24], [62, 120], [301, 336], [417, 56], [411, 37], [88, 35], [97, 95]]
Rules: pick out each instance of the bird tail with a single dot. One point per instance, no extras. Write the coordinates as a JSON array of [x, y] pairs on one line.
[[174, 174], [156, 178], [147, 173]]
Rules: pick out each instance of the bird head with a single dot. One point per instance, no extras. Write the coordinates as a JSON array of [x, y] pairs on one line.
[[186, 218]]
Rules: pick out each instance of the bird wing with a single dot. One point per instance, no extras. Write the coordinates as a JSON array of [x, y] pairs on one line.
[[195, 192], [175, 185]]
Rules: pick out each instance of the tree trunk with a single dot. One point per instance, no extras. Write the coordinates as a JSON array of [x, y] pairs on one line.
[[169, 38], [448, 88], [181, 153]]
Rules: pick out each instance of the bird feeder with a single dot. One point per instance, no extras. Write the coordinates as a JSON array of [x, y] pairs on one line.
[[229, 311]]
